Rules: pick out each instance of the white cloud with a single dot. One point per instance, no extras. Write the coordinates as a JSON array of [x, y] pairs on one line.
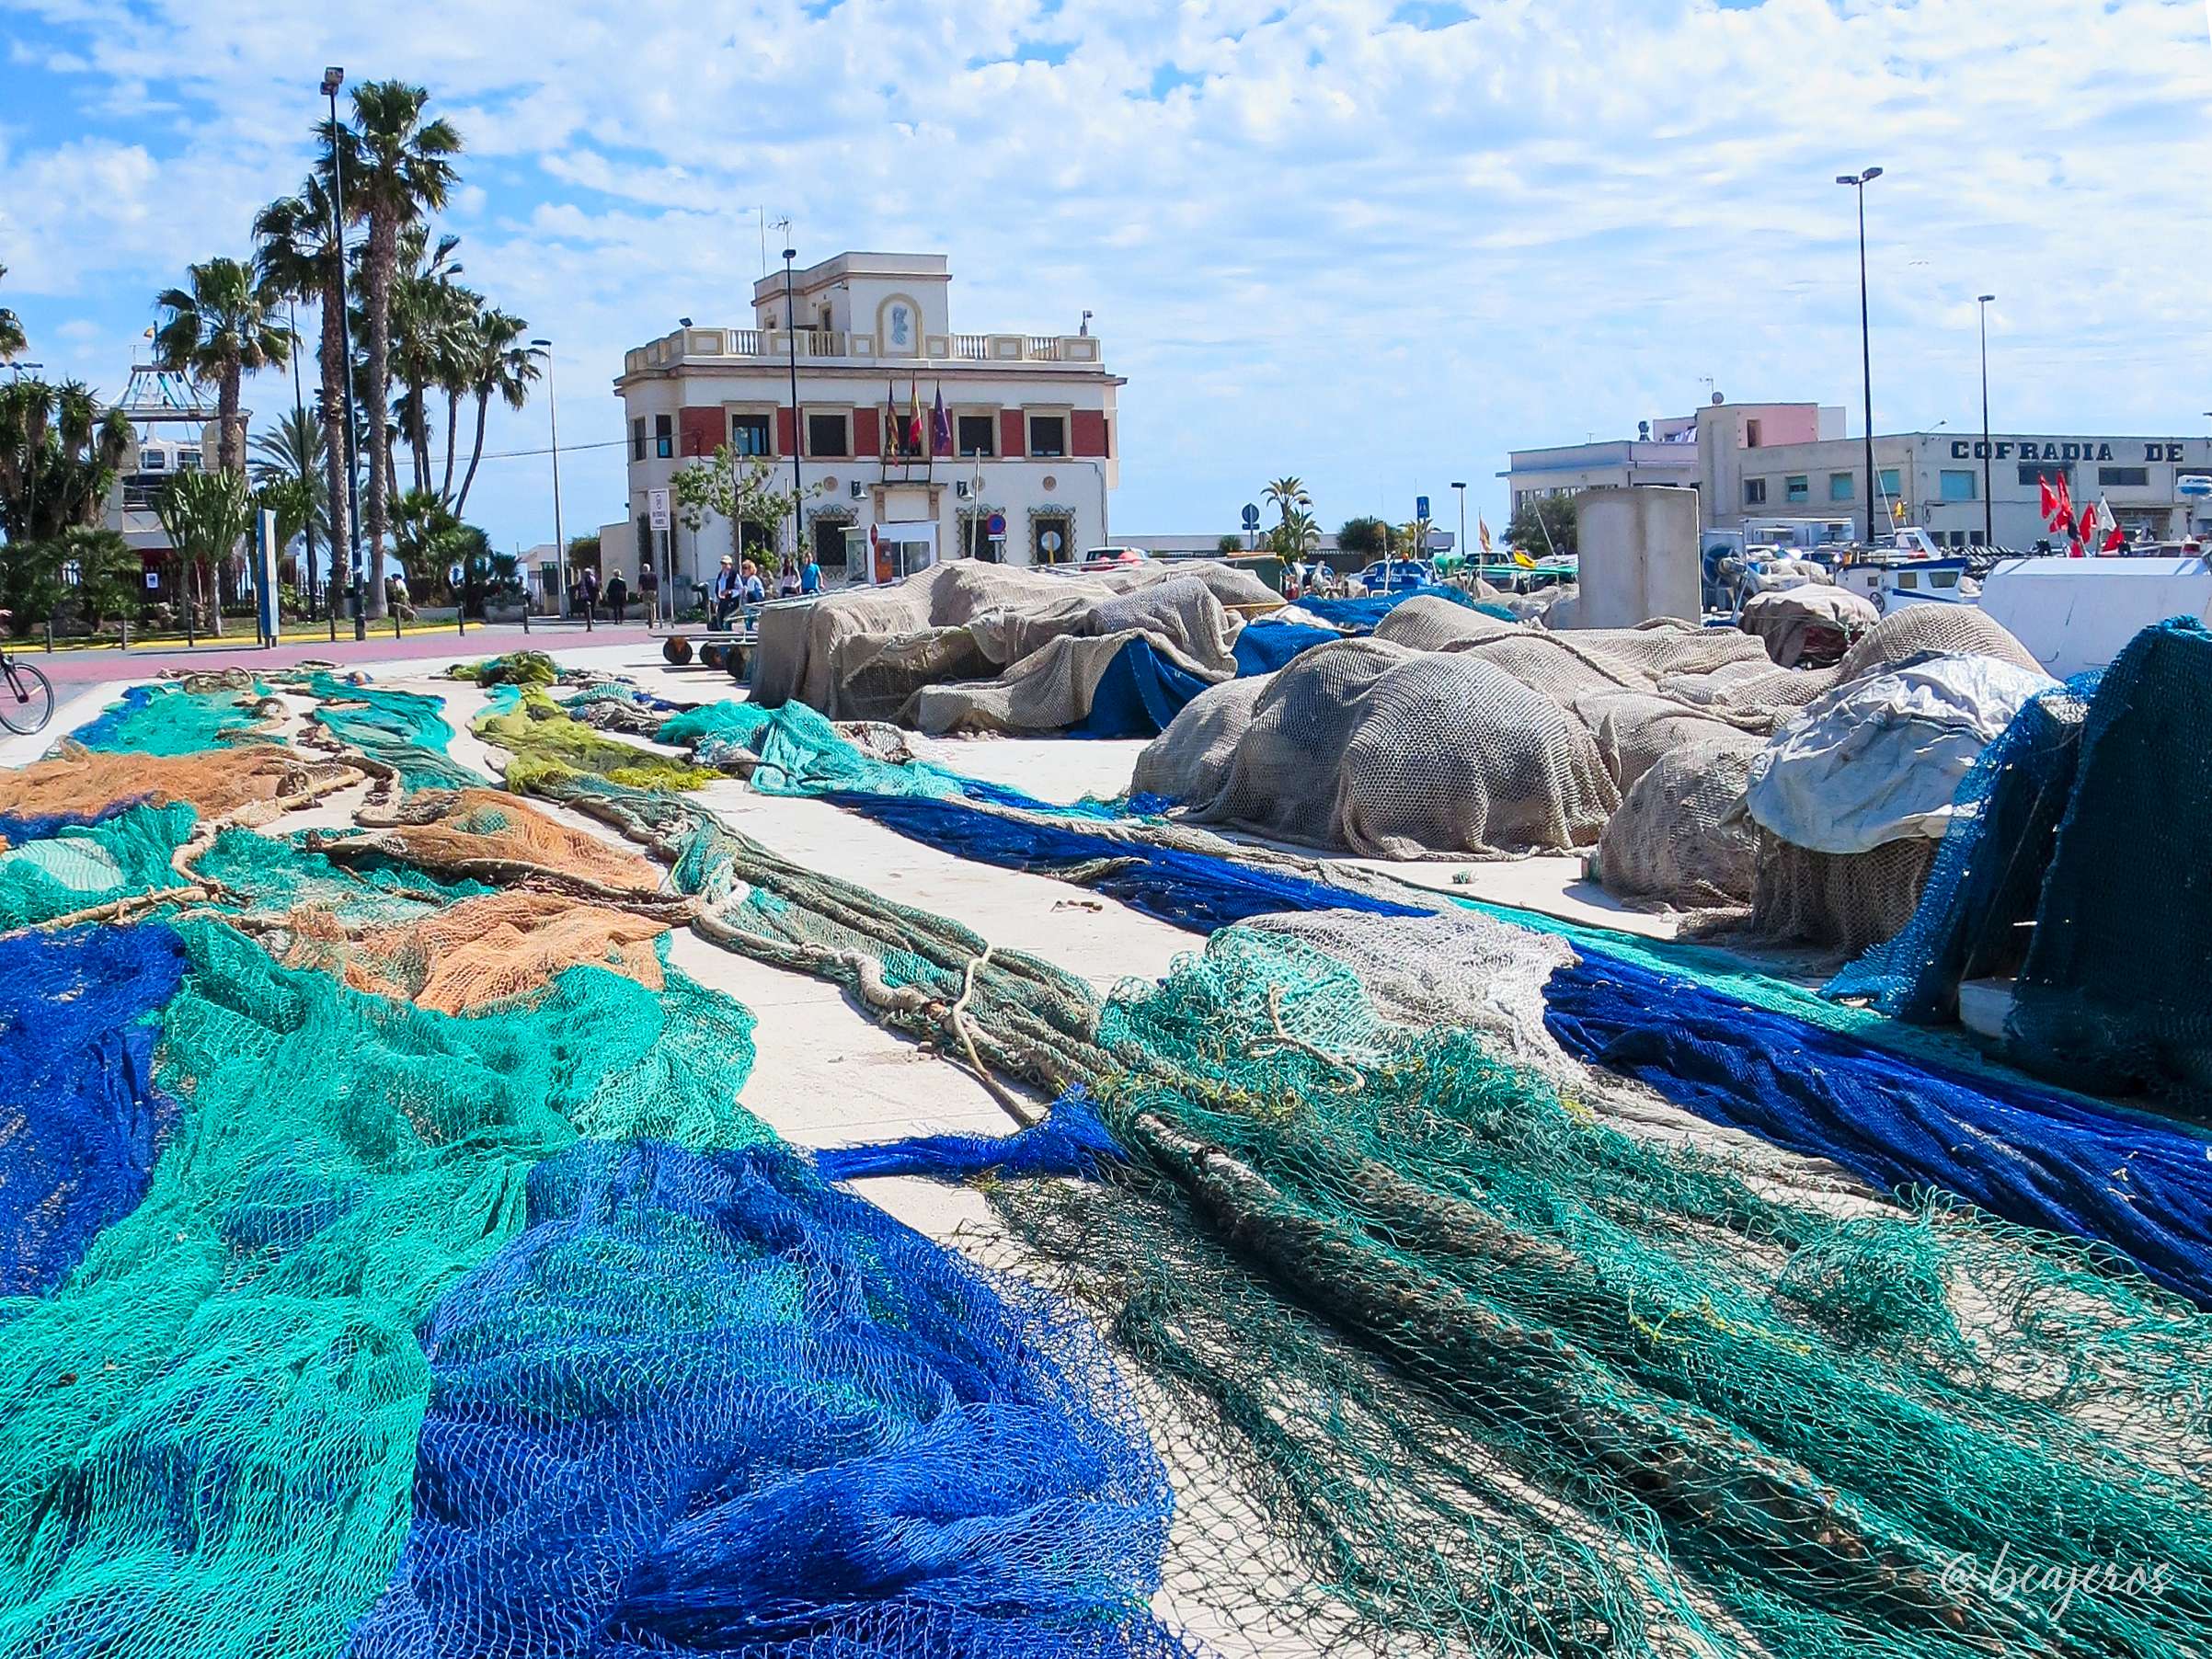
[[1341, 245]]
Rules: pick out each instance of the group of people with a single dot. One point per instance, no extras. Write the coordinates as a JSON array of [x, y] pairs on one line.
[[738, 589]]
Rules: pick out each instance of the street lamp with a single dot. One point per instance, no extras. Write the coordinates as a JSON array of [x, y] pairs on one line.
[[333, 79], [791, 348], [542, 347], [1989, 502], [1460, 484], [1858, 181], [299, 432]]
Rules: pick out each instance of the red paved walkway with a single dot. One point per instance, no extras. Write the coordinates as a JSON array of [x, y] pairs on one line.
[[80, 667]]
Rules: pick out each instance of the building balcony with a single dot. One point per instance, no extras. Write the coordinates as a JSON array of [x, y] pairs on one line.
[[720, 347]]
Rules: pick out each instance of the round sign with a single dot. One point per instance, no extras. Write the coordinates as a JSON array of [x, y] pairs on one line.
[[995, 524], [2194, 486], [453, 574], [1049, 540]]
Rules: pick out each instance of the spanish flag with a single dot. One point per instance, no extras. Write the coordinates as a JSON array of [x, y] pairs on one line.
[[1481, 536]]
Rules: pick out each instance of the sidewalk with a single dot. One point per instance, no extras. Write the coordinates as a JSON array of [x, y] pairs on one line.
[[489, 639]]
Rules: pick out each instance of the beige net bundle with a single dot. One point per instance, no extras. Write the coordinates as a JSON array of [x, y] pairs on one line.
[[1389, 752], [489, 835], [249, 784], [1842, 901], [1760, 686], [481, 951], [1680, 837], [1809, 626], [1636, 729]]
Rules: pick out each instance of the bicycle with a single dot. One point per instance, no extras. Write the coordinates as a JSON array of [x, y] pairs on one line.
[[26, 696]]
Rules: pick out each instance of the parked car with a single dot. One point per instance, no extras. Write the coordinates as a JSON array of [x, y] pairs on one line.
[[1108, 559], [1395, 576]]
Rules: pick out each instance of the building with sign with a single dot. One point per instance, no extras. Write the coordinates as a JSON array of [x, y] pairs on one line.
[[1758, 463], [1021, 426]]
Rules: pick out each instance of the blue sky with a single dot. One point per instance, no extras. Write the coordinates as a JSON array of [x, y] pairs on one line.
[[1374, 243]]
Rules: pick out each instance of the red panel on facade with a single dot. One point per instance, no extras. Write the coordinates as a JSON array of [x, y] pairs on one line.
[[1014, 439], [867, 434], [786, 431], [1087, 433], [700, 431]]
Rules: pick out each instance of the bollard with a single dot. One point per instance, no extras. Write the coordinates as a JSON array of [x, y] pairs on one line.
[[50, 637], [395, 625], [126, 634]]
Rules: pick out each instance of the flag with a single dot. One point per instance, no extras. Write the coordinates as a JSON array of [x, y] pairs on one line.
[[1523, 560], [2050, 502], [2115, 541], [940, 425], [1481, 536], [913, 417], [2065, 522], [890, 419], [1896, 510]]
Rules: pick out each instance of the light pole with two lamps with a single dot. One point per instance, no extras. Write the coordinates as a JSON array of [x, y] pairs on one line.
[[1858, 181], [333, 78], [544, 347], [1989, 502]]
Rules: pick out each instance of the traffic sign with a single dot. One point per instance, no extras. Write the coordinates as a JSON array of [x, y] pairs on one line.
[[2195, 487], [1252, 517], [1420, 506], [995, 526], [656, 504]]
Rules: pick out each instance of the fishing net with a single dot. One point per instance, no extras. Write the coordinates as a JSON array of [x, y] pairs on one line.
[[2113, 991], [1987, 876], [1680, 837], [80, 1119], [252, 783], [80, 869], [406, 730], [258, 878], [801, 1428], [1635, 730], [1393, 753], [1810, 627], [1504, 1379], [517, 668], [541, 737], [1845, 902], [178, 719], [213, 1435]]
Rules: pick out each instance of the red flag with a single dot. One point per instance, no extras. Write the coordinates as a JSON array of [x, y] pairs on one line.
[[2050, 503], [913, 423], [2116, 542], [2065, 522]]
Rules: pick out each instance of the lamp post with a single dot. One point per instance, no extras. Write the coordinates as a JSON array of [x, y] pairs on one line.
[[299, 413], [1460, 486], [791, 349], [1858, 181], [542, 348], [333, 79], [1989, 502]]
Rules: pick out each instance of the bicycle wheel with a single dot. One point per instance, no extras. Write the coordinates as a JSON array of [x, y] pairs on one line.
[[26, 699]]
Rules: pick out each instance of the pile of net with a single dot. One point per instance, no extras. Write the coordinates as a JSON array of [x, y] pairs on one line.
[[970, 646], [1487, 1374], [203, 711], [1389, 752], [1809, 626]]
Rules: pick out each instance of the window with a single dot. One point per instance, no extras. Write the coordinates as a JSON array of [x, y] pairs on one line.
[[1797, 487], [664, 436], [1841, 486], [977, 435], [187, 460], [1958, 486], [2124, 477], [1755, 492], [749, 435], [1053, 538], [1976, 538], [1891, 488], [152, 461], [1752, 434], [637, 438], [826, 435], [2047, 472], [1047, 436], [1958, 538]]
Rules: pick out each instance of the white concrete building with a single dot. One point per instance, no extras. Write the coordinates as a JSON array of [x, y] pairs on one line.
[[1028, 432], [1668, 451]]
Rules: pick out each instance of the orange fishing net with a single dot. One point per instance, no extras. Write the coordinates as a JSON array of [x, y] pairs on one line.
[[249, 784], [483, 950], [492, 836]]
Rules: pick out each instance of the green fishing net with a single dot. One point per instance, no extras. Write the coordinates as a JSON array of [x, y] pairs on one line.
[[546, 742], [176, 719], [406, 730], [516, 668], [80, 868]]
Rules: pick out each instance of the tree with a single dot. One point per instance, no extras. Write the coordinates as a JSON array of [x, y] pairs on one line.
[[12, 341], [1230, 543], [1366, 538], [429, 319], [296, 501], [1543, 527], [107, 571], [219, 328], [292, 452], [205, 515], [1287, 496], [739, 489], [1297, 536], [405, 173], [300, 253], [58, 458], [428, 539], [500, 366]]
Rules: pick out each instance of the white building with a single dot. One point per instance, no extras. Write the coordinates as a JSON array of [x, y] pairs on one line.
[[1664, 452], [1028, 434]]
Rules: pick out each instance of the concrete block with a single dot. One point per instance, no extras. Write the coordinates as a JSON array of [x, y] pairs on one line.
[[1639, 555]]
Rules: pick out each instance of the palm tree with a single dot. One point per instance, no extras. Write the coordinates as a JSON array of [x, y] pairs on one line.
[[1287, 496], [205, 515], [500, 366], [11, 331], [218, 329], [299, 255], [292, 452], [58, 458], [404, 173], [429, 312]]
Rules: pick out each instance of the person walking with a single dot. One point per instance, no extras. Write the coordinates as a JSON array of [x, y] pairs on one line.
[[756, 590], [649, 590], [811, 577], [786, 581], [729, 593], [618, 596], [589, 585]]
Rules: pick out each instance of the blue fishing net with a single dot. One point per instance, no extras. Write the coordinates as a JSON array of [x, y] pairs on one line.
[[1989, 875], [80, 1121], [1139, 695], [2040, 1158], [708, 1403], [1069, 1141], [2116, 990], [169, 720], [406, 730], [1362, 615], [1265, 646]]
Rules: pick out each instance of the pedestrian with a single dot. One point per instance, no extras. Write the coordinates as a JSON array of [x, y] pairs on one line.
[[588, 584], [729, 591], [786, 581], [649, 590], [618, 596], [755, 590], [810, 578]]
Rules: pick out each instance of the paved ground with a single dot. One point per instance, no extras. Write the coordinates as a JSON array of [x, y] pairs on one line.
[[86, 667]]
